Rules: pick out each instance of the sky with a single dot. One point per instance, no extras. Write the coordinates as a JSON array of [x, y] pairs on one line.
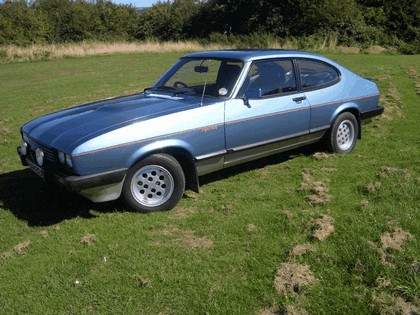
[[136, 3]]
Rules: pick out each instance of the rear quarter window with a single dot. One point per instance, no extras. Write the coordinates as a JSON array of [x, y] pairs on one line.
[[316, 74]]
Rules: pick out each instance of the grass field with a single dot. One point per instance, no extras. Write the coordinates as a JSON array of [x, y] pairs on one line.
[[298, 233]]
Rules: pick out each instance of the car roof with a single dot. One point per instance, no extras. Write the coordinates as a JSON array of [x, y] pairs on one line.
[[253, 54]]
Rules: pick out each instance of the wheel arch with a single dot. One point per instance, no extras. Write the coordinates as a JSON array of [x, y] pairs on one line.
[[353, 109], [178, 150]]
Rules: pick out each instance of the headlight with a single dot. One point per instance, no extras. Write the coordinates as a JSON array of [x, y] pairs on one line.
[[61, 157], [69, 162], [24, 147], [39, 154]]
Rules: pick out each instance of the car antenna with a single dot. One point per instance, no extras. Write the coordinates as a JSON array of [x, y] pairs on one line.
[[204, 91], [205, 83]]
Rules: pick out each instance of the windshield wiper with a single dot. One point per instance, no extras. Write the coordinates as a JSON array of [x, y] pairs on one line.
[[170, 89]]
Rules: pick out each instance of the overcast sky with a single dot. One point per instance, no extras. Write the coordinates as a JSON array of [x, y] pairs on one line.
[[136, 3]]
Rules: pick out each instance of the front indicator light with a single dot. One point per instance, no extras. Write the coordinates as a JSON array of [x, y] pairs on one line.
[[24, 147], [61, 157], [69, 162], [39, 154]]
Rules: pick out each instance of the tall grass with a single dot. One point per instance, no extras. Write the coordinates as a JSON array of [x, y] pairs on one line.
[[14, 53], [321, 43]]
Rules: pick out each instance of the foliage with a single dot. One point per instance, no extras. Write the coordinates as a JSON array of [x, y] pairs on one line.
[[59, 21], [353, 22], [21, 25], [168, 21]]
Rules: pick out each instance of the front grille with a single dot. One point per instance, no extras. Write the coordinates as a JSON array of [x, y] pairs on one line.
[[48, 152]]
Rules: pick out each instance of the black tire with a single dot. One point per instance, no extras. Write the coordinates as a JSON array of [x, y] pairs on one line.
[[343, 134], [156, 183]]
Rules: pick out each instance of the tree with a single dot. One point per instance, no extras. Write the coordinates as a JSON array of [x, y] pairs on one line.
[[168, 21], [20, 25]]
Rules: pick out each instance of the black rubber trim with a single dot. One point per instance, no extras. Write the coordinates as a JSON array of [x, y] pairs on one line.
[[79, 183], [22, 157], [372, 113]]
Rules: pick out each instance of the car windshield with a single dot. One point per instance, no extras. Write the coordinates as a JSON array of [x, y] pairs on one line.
[[201, 77]]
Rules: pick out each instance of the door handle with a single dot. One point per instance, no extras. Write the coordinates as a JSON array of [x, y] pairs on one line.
[[299, 99]]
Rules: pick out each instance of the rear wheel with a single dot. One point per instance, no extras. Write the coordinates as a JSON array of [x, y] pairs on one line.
[[343, 135], [156, 183]]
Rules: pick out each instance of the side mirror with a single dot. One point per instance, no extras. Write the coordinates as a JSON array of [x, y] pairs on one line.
[[253, 94]]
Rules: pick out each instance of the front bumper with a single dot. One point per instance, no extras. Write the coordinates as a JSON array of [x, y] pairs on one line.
[[97, 187], [80, 183]]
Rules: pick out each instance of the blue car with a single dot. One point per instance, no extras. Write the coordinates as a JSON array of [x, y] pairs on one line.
[[209, 111]]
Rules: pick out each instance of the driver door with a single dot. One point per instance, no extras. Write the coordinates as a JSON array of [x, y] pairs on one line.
[[273, 118]]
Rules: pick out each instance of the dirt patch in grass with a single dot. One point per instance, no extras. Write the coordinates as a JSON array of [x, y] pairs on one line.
[[293, 310], [88, 239], [364, 203], [174, 236], [5, 131], [382, 283], [391, 100], [322, 227], [396, 239], [270, 311], [321, 156], [328, 170], [413, 74], [318, 189], [251, 227], [386, 259], [21, 247], [302, 249], [291, 278], [142, 282], [286, 310], [387, 171], [190, 240], [183, 212], [287, 214], [6, 255], [385, 303], [415, 266], [373, 187]]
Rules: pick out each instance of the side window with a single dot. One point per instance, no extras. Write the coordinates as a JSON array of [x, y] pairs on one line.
[[315, 74], [229, 72], [271, 76]]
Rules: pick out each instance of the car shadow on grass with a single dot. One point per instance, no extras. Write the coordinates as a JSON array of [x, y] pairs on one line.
[[29, 199]]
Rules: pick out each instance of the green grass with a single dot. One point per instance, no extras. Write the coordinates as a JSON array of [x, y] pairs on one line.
[[217, 252]]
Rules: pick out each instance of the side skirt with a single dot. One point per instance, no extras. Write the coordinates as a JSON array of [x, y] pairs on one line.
[[211, 163], [239, 155]]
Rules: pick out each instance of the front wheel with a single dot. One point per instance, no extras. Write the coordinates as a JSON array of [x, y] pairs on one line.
[[156, 183], [343, 135]]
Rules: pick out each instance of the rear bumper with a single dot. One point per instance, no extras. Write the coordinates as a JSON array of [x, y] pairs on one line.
[[371, 113]]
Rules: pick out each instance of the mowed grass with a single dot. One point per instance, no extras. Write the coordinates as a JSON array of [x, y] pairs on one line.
[[298, 233]]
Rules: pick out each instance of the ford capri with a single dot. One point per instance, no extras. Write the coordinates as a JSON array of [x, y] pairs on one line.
[[209, 111]]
